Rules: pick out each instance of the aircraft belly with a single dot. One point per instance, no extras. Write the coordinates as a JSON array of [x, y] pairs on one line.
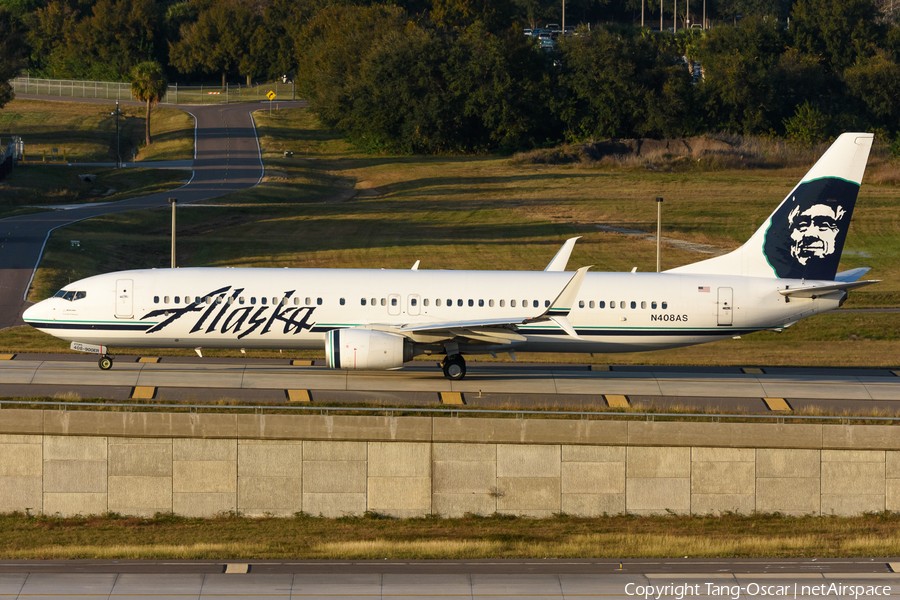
[[614, 343]]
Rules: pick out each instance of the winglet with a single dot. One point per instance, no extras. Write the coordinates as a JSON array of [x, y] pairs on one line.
[[415, 267], [561, 259], [563, 303]]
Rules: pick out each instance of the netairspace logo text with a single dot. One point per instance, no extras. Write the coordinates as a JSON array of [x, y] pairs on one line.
[[679, 592]]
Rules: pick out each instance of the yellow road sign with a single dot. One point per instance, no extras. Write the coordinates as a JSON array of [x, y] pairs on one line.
[[270, 95]]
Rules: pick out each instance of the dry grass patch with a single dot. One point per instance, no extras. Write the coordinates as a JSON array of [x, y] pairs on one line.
[[374, 537]]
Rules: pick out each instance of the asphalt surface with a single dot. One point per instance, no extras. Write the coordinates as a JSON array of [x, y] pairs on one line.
[[546, 566], [494, 579], [420, 384], [227, 159]]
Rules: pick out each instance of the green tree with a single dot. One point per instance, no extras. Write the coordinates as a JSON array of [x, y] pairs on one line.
[[740, 63], [217, 42], [12, 53], [808, 126], [874, 84], [840, 31], [148, 84]]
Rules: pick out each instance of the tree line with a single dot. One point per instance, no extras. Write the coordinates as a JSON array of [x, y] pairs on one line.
[[434, 76]]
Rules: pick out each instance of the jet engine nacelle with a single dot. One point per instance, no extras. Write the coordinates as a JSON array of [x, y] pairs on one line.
[[366, 349]]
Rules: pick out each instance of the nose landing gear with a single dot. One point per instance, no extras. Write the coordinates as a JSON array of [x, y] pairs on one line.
[[454, 367], [106, 362]]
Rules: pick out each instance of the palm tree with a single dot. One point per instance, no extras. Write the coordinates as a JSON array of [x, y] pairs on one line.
[[148, 84]]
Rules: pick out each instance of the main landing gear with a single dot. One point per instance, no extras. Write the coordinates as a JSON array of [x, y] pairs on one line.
[[454, 366], [106, 362]]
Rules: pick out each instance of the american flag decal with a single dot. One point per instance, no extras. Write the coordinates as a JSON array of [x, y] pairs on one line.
[[703, 288]]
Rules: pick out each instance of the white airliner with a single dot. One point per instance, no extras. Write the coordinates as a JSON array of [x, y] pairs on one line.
[[379, 319]]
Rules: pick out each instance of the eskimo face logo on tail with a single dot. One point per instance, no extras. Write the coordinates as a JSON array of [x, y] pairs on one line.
[[807, 232]]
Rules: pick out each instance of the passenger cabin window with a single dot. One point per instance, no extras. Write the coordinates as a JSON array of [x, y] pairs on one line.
[[393, 302], [602, 304], [362, 301], [425, 301], [166, 300], [665, 305], [177, 299], [546, 303], [262, 300], [592, 304], [471, 302], [319, 301], [512, 303], [502, 303], [342, 302], [643, 304], [241, 300], [491, 303], [633, 304], [459, 302], [308, 301], [383, 302], [296, 300], [155, 299], [535, 303], [252, 299], [437, 302], [374, 302], [412, 302], [653, 305], [581, 304], [622, 304], [612, 303]]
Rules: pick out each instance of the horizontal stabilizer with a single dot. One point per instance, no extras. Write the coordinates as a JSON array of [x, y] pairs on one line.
[[852, 274], [814, 291]]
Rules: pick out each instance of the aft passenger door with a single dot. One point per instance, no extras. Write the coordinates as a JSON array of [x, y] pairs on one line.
[[124, 298], [725, 306]]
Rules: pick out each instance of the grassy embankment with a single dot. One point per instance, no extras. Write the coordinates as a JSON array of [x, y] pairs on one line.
[[167, 537], [87, 133], [332, 206]]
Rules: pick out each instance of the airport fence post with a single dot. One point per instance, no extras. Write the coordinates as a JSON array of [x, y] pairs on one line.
[[173, 202], [659, 202]]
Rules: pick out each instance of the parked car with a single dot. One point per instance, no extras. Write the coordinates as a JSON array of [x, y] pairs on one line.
[[528, 33]]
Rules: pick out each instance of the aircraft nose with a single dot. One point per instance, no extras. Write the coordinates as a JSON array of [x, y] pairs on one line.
[[33, 313]]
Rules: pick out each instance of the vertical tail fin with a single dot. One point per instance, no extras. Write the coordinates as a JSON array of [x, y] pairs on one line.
[[804, 237]]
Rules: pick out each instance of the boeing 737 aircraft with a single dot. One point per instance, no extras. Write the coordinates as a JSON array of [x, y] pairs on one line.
[[379, 319]]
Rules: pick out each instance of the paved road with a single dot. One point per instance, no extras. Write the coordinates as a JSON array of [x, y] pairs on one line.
[[419, 384], [497, 579], [227, 159]]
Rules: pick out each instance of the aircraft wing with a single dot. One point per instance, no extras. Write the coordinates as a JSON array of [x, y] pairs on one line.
[[813, 291], [502, 330]]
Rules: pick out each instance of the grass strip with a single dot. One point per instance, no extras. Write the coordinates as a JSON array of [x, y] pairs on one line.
[[373, 536]]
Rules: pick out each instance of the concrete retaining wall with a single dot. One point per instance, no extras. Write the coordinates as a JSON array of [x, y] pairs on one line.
[[203, 464]]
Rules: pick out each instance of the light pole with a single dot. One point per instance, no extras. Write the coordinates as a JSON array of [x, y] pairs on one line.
[[173, 202], [659, 202], [564, 17], [118, 156]]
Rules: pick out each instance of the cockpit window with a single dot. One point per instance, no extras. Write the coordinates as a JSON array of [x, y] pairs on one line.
[[70, 295]]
